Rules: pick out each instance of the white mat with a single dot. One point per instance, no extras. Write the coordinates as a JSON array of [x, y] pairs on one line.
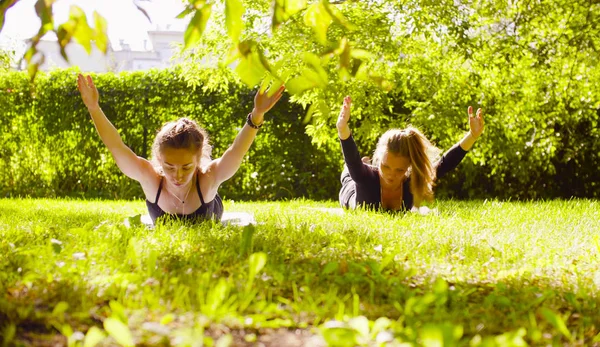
[[229, 218]]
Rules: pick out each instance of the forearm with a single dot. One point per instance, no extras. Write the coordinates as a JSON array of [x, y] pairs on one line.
[[468, 141], [241, 145], [108, 133], [356, 167], [231, 160]]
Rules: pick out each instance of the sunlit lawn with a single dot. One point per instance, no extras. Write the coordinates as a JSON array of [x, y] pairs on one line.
[[476, 273]]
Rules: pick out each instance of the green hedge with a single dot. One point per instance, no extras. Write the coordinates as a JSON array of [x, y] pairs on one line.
[[49, 147]]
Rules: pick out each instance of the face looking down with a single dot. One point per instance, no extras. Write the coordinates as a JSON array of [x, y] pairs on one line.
[[393, 168]]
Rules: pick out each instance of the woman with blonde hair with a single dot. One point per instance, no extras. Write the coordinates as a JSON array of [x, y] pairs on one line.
[[404, 169], [182, 180]]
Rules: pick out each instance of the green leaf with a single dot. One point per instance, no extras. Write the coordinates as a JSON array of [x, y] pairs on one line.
[[317, 17], [380, 325], [250, 69], [361, 54], [43, 8], [217, 295], [60, 309], [118, 311], [284, 9], [557, 322], [166, 319], [340, 336], [101, 28], [234, 10], [360, 324], [9, 333], [195, 29], [65, 34], [256, 262], [332, 266], [246, 240], [118, 331], [93, 337], [337, 16], [315, 63], [308, 80], [83, 34], [440, 334], [56, 245], [32, 69], [185, 12], [133, 221], [294, 6]]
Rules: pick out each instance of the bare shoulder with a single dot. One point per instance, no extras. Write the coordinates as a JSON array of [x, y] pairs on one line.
[[150, 179]]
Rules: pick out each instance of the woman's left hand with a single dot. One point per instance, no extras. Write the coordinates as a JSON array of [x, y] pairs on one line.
[[263, 103], [476, 123]]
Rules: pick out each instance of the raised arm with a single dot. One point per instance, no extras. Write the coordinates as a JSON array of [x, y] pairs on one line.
[[129, 163], [358, 170], [226, 166], [455, 155]]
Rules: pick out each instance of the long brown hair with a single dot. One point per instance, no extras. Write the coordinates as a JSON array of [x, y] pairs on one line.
[[411, 143], [182, 133]]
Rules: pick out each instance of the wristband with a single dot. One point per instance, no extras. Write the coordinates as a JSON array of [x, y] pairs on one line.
[[251, 124]]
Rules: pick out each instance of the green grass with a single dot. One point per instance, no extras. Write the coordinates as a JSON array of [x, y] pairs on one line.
[[477, 273]]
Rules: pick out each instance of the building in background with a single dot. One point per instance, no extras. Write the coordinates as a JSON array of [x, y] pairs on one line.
[[156, 52]]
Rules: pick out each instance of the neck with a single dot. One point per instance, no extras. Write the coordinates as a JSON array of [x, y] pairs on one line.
[[390, 188], [182, 190]]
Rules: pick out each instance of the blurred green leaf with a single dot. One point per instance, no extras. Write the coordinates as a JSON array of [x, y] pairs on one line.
[[56, 246], [60, 309], [557, 322], [93, 337], [318, 18], [340, 336], [82, 32], [118, 331], [360, 324], [234, 10], [284, 9], [251, 69], [196, 27], [166, 319], [43, 8], [118, 311], [101, 29], [246, 240], [8, 334], [256, 263]]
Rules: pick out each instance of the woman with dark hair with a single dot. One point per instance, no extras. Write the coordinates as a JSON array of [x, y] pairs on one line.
[[404, 169]]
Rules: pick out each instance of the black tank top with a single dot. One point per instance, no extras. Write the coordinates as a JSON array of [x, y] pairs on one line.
[[206, 211]]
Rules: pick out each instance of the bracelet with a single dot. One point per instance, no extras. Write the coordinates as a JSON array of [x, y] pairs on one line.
[[251, 124]]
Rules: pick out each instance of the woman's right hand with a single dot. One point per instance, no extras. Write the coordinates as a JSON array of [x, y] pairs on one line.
[[344, 117], [88, 91]]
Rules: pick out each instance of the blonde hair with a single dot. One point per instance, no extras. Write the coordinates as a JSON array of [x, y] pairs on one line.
[[411, 143], [182, 133]]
